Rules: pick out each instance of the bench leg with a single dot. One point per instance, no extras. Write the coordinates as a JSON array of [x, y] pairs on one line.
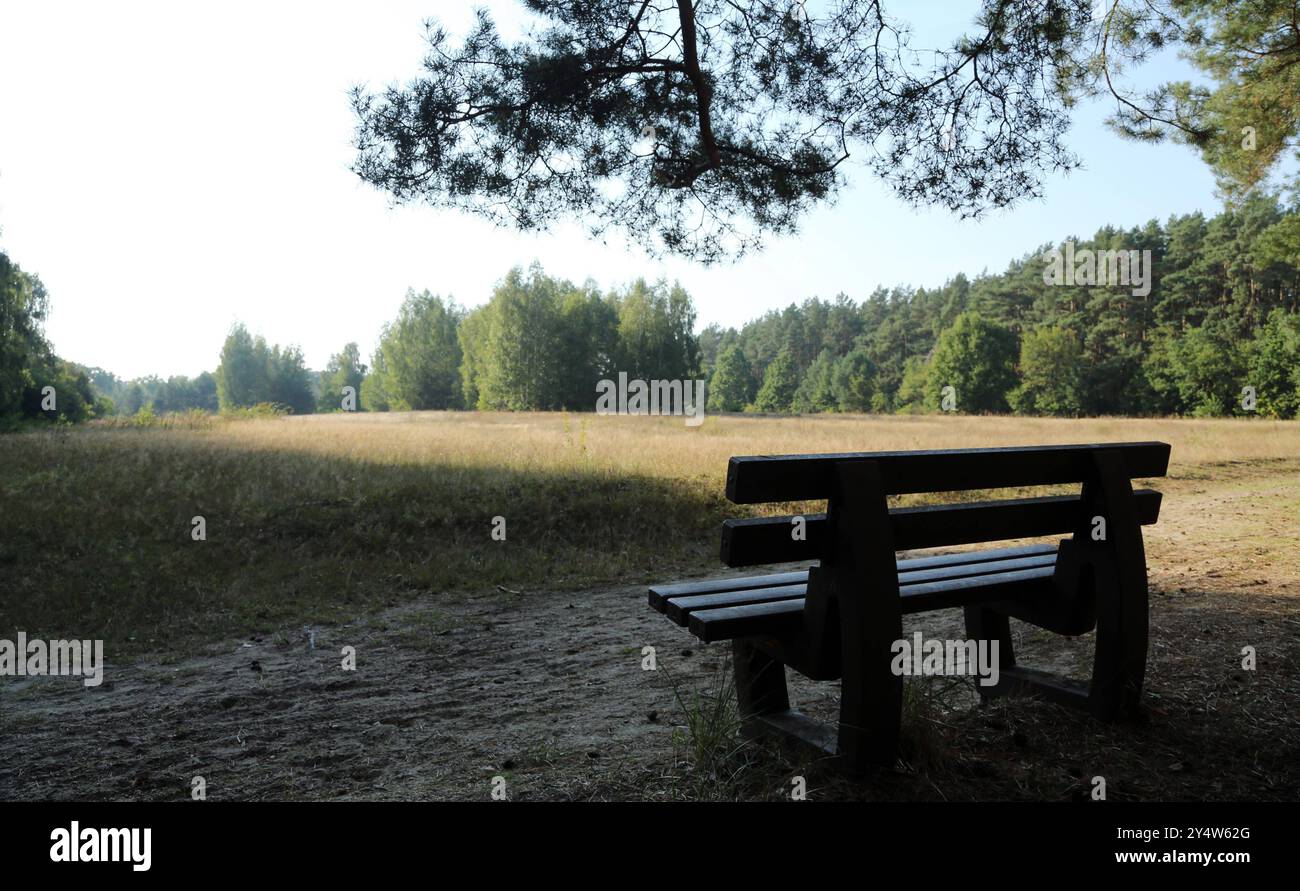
[[760, 681], [1119, 664], [983, 623], [869, 609], [1121, 578], [988, 623], [871, 695], [1116, 572]]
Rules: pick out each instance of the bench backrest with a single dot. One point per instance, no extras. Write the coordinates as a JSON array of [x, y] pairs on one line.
[[765, 478]]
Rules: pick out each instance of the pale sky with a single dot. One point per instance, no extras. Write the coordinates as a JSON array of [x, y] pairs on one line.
[[168, 169]]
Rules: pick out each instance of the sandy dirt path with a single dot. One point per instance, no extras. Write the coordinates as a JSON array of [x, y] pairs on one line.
[[547, 689]]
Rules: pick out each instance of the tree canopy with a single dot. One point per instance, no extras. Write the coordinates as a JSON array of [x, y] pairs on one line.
[[417, 363], [252, 372], [543, 343], [34, 382], [1223, 315], [1214, 330], [699, 126], [1245, 118]]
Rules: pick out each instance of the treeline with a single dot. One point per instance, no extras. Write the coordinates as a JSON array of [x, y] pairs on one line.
[[253, 372], [1212, 324], [249, 372], [1221, 316], [538, 343], [154, 394], [34, 382], [1219, 320]]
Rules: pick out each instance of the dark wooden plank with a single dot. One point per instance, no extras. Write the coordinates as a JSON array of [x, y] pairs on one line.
[[1017, 680], [981, 556], [781, 616], [758, 478], [678, 608], [964, 570], [752, 620], [940, 525], [949, 593], [761, 540], [659, 594], [764, 540]]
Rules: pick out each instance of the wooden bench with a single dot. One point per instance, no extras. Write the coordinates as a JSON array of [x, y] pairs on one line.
[[839, 619]]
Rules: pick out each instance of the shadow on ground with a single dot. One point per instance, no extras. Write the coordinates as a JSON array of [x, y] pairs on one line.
[[547, 690]]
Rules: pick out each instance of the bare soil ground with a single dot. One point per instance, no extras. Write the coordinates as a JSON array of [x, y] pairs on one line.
[[547, 690]]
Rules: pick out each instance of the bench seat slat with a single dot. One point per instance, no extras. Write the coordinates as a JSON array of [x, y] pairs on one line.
[[784, 616], [751, 620], [983, 567], [679, 608], [661, 594], [926, 596], [911, 563], [921, 581], [711, 586]]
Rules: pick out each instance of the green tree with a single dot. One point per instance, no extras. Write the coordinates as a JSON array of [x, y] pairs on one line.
[[24, 303], [1205, 370], [1275, 366], [704, 127], [421, 357], [976, 358], [472, 335], [1050, 373], [31, 376], [176, 394], [853, 382], [74, 400], [914, 389], [816, 391], [732, 385], [655, 332], [1248, 114], [374, 396], [289, 381], [251, 372], [522, 357], [134, 398], [205, 392], [588, 341], [344, 369], [712, 341], [244, 371], [780, 382]]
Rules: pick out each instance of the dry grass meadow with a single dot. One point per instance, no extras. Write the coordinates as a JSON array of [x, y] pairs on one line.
[[521, 658]]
